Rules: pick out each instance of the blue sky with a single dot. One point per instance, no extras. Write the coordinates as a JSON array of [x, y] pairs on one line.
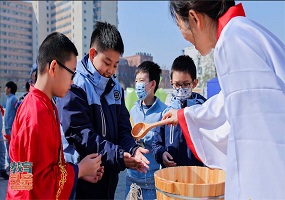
[[146, 26]]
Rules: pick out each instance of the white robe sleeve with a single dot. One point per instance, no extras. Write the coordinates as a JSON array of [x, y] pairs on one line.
[[206, 131]]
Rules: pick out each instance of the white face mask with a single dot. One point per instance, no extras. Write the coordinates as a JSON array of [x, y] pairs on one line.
[[182, 93], [140, 90]]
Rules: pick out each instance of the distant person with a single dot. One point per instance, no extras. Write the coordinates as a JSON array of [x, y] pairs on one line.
[[34, 73], [241, 129], [169, 145], [36, 136], [94, 117], [27, 86], [147, 109], [3, 172], [10, 112]]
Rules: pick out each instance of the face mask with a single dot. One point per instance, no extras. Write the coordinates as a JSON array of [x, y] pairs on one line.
[[182, 93], [140, 90]]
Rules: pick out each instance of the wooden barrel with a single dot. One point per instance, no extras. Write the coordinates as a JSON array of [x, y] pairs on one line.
[[189, 182]]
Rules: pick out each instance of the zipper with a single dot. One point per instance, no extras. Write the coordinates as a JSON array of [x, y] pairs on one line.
[[103, 122]]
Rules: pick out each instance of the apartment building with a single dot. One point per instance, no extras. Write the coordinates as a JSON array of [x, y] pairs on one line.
[[16, 42], [75, 19], [25, 24]]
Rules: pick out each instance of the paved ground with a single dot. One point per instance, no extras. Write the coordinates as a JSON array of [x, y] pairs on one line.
[[3, 188], [120, 192]]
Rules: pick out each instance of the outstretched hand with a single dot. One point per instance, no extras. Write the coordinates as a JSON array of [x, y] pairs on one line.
[[171, 116], [138, 161]]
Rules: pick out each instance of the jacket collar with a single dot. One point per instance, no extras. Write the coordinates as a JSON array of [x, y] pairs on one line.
[[103, 84], [153, 106], [234, 11]]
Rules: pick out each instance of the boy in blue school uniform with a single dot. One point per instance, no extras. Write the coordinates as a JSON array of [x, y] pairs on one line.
[[147, 109], [169, 145], [94, 117]]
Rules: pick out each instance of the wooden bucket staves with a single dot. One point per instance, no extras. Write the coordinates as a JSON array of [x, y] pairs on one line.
[[189, 182]]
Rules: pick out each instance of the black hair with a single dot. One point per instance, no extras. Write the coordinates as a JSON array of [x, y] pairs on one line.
[[106, 37], [184, 64], [213, 9], [36, 73], [27, 86], [152, 69], [56, 46], [12, 86]]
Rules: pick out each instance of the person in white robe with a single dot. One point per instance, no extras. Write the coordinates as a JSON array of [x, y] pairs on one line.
[[242, 129]]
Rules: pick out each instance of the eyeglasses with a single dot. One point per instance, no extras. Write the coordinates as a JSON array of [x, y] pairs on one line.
[[64, 67], [183, 85], [67, 69]]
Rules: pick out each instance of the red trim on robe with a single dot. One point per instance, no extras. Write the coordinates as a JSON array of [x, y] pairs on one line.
[[233, 11], [186, 133]]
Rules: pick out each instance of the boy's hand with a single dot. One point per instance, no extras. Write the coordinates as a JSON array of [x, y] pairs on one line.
[[138, 161], [96, 178], [171, 116], [139, 155], [167, 160], [89, 165]]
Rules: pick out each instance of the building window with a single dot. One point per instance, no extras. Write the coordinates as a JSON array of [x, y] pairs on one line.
[[85, 20]]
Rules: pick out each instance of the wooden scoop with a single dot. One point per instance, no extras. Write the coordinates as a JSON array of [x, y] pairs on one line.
[[141, 129]]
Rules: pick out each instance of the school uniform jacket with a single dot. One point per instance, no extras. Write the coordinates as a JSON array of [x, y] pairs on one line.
[[151, 115], [171, 139], [95, 119]]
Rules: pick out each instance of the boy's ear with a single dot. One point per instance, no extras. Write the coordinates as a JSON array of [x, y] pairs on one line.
[[153, 84], [195, 83], [51, 68], [92, 53]]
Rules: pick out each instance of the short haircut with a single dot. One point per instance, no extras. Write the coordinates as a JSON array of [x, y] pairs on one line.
[[184, 64], [152, 69], [56, 46], [12, 86], [106, 37]]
